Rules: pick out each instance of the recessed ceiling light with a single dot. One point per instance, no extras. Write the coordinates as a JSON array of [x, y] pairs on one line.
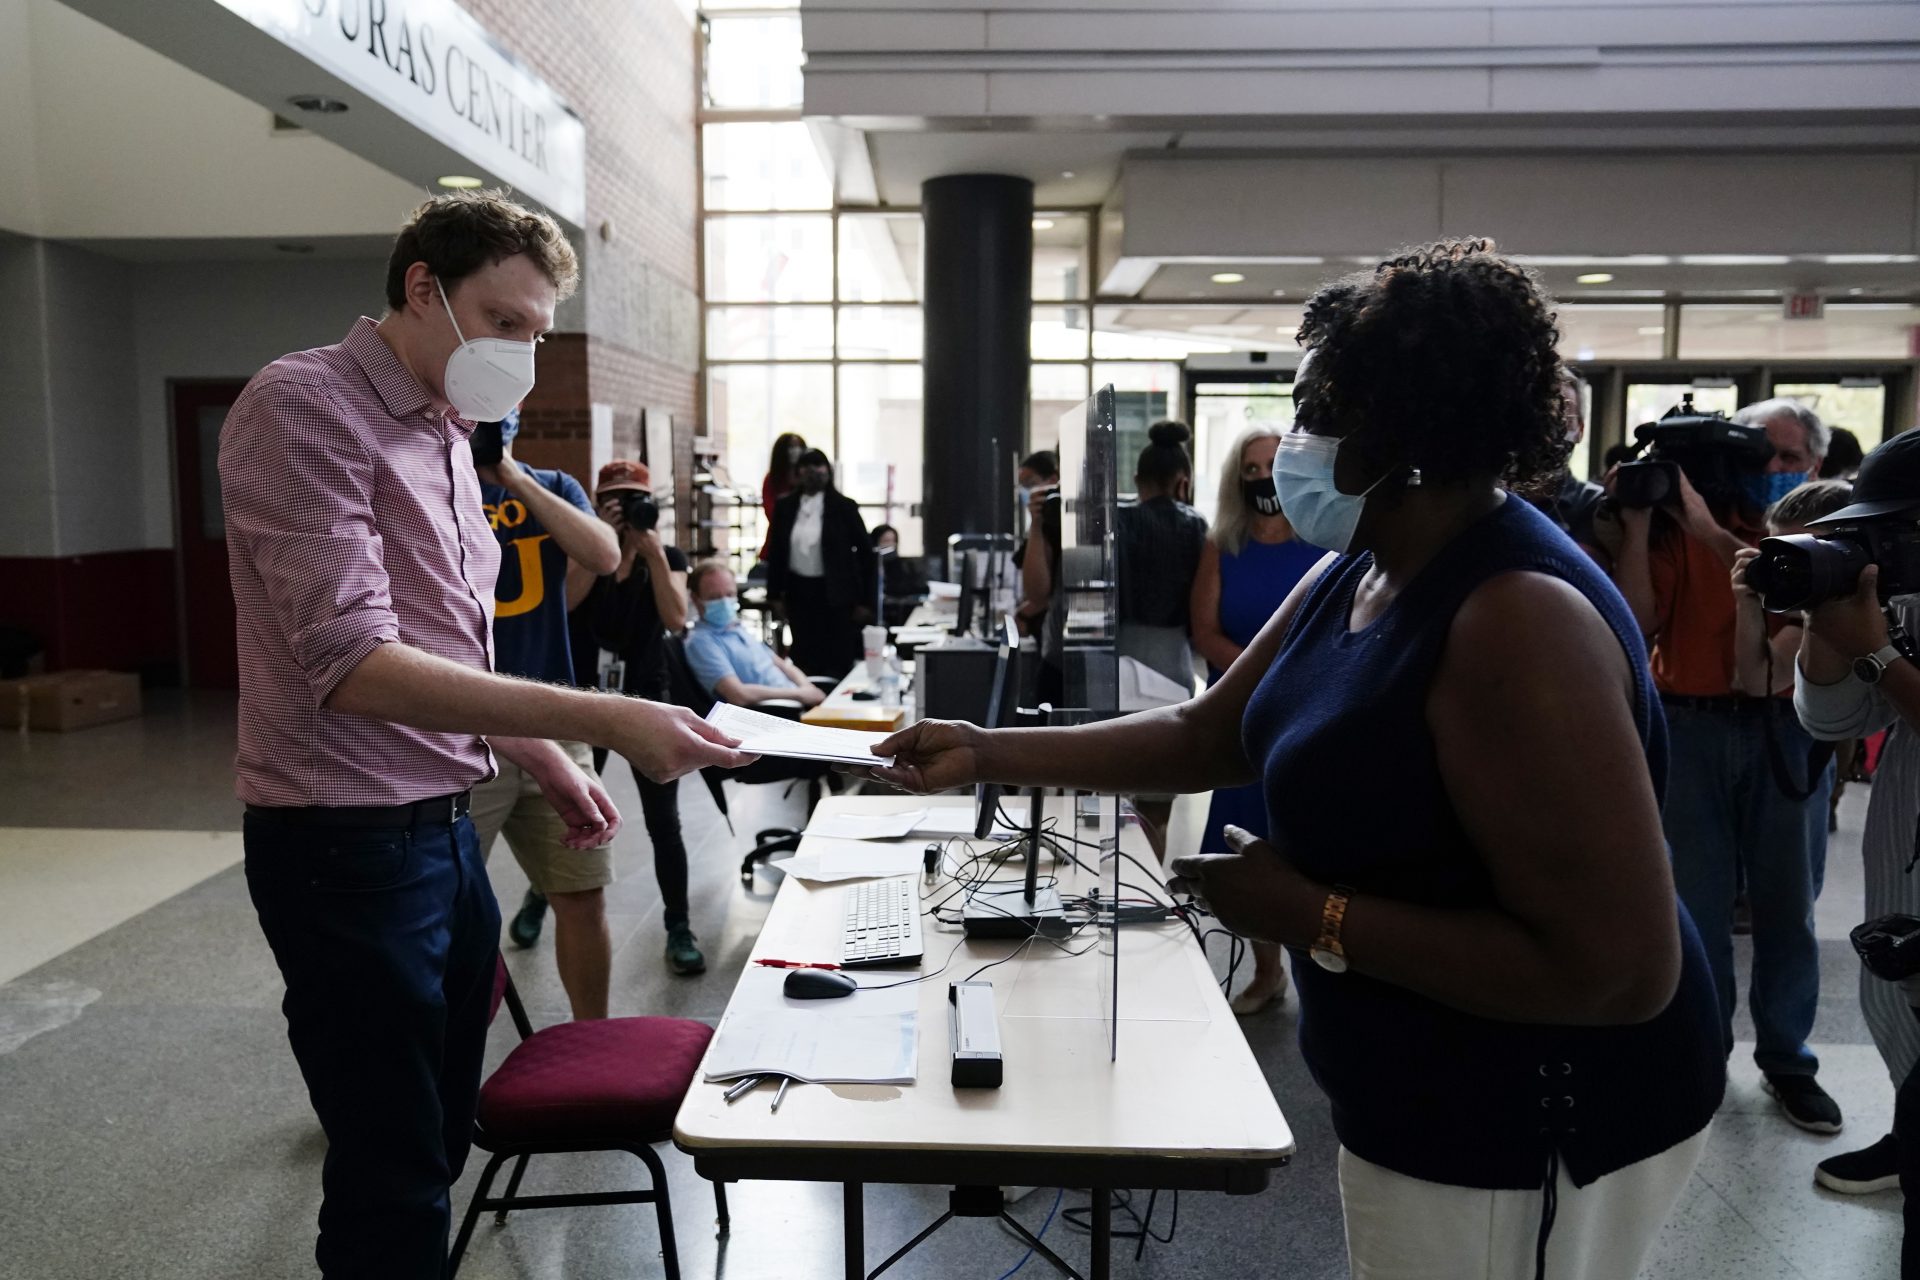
[[1043, 224], [318, 103], [1594, 277], [1228, 277], [1734, 260], [1280, 328], [460, 182], [1651, 330], [1067, 173], [1279, 293]]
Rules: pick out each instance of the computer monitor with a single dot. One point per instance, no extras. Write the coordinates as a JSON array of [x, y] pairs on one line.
[[986, 795], [1083, 615], [969, 597]]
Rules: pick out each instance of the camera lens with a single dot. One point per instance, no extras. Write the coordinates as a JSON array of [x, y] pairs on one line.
[[1801, 571], [639, 511]]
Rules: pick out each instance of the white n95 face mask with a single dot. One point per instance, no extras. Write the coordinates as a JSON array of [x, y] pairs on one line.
[[485, 377], [1319, 512]]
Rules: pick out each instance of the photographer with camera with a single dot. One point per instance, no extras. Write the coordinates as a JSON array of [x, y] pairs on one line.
[[630, 612], [1565, 499], [1745, 792], [1855, 676], [546, 530]]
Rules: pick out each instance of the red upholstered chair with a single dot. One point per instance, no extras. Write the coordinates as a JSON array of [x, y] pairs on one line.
[[604, 1085]]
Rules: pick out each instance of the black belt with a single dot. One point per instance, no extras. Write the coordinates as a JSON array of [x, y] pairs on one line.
[[441, 811], [1726, 702]]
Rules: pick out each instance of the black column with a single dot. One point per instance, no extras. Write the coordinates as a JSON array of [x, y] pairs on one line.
[[978, 289]]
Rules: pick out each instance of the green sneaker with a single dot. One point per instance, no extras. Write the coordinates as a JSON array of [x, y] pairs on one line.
[[525, 927], [682, 956]]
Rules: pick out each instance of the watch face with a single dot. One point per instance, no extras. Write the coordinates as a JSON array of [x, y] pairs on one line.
[[1868, 670], [1329, 961]]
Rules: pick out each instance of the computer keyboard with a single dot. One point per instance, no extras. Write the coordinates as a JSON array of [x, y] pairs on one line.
[[883, 923]]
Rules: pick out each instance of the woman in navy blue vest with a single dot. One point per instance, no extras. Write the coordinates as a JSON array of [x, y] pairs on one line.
[[1463, 761]]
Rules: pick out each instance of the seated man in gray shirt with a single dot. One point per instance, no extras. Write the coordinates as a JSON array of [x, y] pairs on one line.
[[729, 663]]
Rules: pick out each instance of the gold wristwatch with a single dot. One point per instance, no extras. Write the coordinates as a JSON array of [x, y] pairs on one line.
[[1327, 952]]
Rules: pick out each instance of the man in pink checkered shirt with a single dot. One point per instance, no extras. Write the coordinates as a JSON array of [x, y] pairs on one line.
[[363, 575]]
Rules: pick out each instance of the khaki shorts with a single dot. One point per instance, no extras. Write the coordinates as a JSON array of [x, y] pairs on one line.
[[511, 805]]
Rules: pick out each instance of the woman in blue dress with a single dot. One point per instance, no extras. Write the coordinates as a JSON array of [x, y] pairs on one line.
[[1251, 561]]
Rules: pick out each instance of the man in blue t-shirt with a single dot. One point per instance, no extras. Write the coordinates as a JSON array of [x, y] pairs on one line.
[[543, 521]]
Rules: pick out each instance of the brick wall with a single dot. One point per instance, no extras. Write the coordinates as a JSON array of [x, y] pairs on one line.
[[627, 66]]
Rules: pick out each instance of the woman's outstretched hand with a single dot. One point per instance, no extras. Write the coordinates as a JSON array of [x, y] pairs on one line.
[[933, 755]]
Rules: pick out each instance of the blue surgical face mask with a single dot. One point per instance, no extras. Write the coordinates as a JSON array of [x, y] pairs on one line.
[[1769, 487], [721, 612], [1319, 512]]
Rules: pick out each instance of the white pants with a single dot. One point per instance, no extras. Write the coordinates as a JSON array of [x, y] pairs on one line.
[[1401, 1228]]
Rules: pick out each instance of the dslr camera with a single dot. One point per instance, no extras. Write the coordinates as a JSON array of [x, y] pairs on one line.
[[639, 510], [1809, 569], [1716, 453]]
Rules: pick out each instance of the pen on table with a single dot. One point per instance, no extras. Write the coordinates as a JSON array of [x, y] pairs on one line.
[[781, 1092], [795, 964], [743, 1087]]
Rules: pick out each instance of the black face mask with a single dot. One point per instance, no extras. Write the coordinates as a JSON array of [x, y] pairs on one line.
[[1262, 496], [812, 482]]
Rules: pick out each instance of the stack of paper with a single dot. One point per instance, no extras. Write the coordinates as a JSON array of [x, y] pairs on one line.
[[825, 861], [955, 820], [866, 826], [768, 735], [870, 1037]]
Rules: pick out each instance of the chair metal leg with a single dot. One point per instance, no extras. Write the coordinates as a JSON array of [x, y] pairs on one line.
[[473, 1213], [669, 1251], [720, 1203], [513, 1189]]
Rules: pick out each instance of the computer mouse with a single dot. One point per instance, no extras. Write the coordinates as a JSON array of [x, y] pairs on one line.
[[818, 984]]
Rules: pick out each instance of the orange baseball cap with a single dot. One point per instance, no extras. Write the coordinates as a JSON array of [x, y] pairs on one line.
[[623, 473]]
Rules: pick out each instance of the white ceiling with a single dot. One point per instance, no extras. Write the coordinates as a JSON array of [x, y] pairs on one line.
[[105, 140]]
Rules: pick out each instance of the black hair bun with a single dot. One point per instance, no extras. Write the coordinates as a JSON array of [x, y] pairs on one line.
[[1167, 434]]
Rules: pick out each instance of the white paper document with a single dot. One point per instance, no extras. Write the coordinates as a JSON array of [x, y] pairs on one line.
[[817, 1047], [826, 861], [768, 735], [1142, 688], [957, 820], [866, 826]]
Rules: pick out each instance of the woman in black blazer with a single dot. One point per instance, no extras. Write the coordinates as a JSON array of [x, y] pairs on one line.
[[820, 570]]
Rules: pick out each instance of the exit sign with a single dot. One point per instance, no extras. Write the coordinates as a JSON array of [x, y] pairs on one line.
[[1803, 306]]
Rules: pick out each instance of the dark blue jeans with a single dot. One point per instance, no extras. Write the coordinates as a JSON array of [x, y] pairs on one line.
[[387, 941], [1726, 812]]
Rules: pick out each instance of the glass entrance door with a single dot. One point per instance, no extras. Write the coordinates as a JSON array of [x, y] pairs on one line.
[[1858, 404], [1220, 411]]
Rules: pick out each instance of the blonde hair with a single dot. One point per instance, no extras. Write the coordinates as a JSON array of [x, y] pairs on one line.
[[701, 572], [1233, 517]]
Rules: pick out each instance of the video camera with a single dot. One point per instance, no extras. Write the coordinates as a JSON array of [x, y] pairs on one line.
[[639, 510], [1716, 453], [1808, 569]]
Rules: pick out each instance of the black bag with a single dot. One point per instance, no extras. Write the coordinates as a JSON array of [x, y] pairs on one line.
[[1889, 946]]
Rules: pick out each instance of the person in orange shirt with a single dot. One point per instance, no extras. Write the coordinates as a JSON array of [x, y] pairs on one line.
[[1746, 793]]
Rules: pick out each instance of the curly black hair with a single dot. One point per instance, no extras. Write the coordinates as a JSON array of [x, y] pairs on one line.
[[1442, 358]]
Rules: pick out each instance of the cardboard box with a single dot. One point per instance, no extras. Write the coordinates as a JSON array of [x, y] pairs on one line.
[[69, 699]]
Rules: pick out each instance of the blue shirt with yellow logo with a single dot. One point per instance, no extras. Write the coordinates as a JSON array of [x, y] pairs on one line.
[[530, 598]]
